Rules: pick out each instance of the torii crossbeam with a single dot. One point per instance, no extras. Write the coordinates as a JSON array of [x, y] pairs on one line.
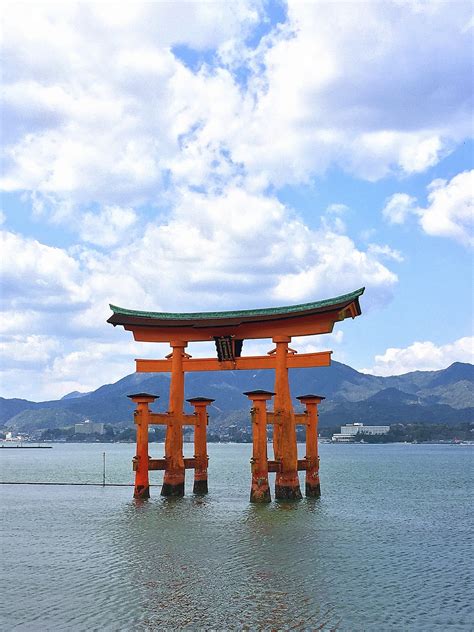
[[228, 330]]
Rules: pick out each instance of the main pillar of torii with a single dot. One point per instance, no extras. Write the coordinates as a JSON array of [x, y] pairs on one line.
[[229, 330]]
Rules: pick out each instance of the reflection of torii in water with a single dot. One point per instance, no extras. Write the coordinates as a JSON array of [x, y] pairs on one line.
[[229, 330]]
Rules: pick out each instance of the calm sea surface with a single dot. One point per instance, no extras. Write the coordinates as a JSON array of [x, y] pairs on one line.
[[387, 547]]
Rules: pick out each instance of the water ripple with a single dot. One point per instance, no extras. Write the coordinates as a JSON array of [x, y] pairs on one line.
[[387, 549]]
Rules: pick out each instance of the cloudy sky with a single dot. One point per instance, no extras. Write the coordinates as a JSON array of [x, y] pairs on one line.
[[193, 156]]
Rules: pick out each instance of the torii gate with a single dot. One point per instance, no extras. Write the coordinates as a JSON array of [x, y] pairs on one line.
[[228, 330]]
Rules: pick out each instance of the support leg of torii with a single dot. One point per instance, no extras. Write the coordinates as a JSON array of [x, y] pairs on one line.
[[287, 484], [313, 487], [201, 460], [260, 490], [173, 480], [142, 412]]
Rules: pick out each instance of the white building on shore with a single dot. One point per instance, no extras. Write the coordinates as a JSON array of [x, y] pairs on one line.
[[89, 427], [349, 431]]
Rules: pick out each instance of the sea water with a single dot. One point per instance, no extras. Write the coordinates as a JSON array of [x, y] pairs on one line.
[[388, 546]]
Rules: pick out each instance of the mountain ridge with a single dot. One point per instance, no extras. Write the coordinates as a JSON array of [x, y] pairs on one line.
[[444, 396]]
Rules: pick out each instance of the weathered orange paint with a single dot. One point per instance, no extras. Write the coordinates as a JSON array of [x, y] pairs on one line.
[[313, 486], [260, 490], [160, 464], [300, 419], [280, 325], [287, 484], [163, 419], [294, 361], [142, 412], [321, 323], [201, 458], [275, 466], [173, 480]]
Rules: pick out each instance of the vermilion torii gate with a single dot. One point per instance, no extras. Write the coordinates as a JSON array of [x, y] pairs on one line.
[[228, 330]]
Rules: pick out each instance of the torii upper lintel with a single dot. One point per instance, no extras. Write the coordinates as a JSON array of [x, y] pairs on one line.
[[294, 320]]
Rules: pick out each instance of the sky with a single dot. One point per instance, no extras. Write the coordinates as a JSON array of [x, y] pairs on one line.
[[202, 156]]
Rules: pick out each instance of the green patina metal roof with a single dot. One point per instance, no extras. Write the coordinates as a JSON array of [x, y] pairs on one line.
[[268, 311]]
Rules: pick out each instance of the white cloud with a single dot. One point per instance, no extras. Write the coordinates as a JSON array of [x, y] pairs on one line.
[[385, 251], [422, 356], [232, 249], [301, 344], [24, 320], [218, 247], [331, 93], [101, 121], [35, 275], [119, 120], [313, 344], [43, 367], [449, 212], [86, 365], [334, 261], [96, 127], [376, 154], [415, 158], [114, 360], [398, 207], [27, 350], [108, 227]]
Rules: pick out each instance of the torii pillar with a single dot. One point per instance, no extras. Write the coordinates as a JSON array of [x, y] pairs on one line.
[[287, 485], [142, 419], [201, 459], [260, 490], [313, 486], [173, 479]]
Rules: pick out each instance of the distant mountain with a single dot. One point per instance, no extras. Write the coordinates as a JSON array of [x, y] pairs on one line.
[[44, 418], [11, 407], [393, 396], [456, 372], [73, 395], [445, 396]]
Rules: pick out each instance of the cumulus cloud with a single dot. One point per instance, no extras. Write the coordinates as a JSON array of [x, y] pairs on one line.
[[398, 207], [236, 243], [103, 122], [80, 364], [48, 367], [386, 252], [301, 344], [422, 356], [119, 119], [222, 251], [25, 320], [27, 350], [332, 94], [37, 276], [216, 250], [449, 212], [108, 227], [163, 139]]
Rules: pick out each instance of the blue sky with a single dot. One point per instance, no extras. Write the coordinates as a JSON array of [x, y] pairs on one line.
[[214, 155]]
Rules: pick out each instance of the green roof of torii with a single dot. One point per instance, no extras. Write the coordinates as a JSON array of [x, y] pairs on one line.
[[243, 313]]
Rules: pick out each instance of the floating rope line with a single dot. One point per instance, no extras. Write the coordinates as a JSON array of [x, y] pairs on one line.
[[62, 483]]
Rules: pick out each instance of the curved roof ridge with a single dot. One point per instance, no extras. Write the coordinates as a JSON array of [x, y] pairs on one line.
[[240, 313]]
